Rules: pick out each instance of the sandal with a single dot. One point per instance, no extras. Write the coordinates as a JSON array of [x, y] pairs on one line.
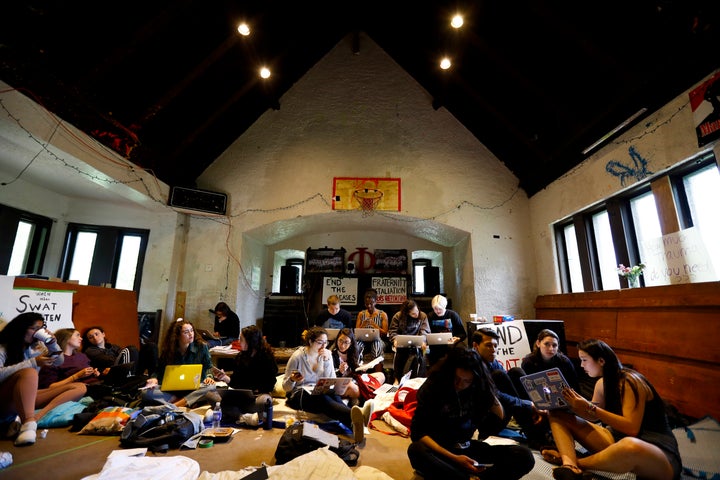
[[570, 472], [551, 455]]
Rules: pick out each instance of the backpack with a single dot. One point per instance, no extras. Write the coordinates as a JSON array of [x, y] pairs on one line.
[[157, 432], [292, 444]]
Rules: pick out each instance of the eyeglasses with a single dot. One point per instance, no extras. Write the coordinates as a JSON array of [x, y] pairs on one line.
[[320, 342], [347, 341]]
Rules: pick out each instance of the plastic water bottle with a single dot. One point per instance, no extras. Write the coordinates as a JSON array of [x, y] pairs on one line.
[[217, 415], [268, 415]]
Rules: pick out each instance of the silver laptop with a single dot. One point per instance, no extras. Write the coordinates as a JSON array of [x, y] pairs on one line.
[[332, 333], [367, 334], [444, 338], [407, 341]]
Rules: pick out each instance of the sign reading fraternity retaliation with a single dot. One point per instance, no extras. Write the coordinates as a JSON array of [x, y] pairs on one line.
[[390, 290]]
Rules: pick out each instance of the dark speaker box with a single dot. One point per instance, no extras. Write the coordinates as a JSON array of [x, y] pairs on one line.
[[288, 280], [431, 275], [195, 200]]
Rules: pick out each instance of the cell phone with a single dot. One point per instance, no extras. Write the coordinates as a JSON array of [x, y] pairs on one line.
[[485, 465]]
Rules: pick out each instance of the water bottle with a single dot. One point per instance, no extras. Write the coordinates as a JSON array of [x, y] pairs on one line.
[[268, 414], [217, 415]]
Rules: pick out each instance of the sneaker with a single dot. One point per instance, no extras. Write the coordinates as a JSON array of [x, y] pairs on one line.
[[367, 410], [358, 424], [14, 428], [27, 435]]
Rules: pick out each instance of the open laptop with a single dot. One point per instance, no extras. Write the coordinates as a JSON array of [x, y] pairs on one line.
[[235, 402], [206, 334], [336, 385], [407, 341], [545, 389], [367, 334], [444, 338], [182, 377], [332, 333]]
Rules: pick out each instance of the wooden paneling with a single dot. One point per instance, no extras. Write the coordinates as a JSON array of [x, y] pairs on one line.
[[668, 333], [114, 310]]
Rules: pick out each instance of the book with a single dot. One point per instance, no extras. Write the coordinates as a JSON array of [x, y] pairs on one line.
[[367, 366]]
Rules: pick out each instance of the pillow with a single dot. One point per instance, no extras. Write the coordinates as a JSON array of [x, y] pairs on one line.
[[62, 415], [278, 391], [108, 421]]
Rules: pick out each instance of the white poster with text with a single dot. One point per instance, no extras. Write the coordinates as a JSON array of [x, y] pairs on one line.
[[345, 288], [513, 344]]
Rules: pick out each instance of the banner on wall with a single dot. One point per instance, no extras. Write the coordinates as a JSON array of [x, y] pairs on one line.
[[390, 290], [705, 104], [513, 344], [345, 288], [54, 305]]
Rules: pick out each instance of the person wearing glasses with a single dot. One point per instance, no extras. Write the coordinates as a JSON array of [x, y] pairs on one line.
[[347, 356], [306, 366], [181, 346], [22, 354]]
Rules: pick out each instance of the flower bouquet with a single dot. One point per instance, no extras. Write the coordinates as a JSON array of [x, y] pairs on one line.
[[631, 273]]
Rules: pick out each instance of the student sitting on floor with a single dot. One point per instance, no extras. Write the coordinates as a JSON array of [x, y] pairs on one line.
[[104, 354]]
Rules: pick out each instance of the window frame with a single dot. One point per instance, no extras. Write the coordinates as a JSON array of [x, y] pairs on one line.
[[622, 227], [10, 219]]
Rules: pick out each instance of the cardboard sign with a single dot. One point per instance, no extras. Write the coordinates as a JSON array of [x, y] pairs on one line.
[[54, 305], [513, 344], [345, 288], [390, 290]]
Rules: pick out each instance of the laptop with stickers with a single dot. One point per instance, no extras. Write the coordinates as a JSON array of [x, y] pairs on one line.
[[545, 389], [336, 385], [182, 377]]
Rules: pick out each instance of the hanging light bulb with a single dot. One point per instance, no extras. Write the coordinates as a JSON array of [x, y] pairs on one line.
[[445, 63], [243, 29], [265, 72], [457, 21]]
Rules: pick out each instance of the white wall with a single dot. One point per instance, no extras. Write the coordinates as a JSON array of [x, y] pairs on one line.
[[363, 116], [664, 139]]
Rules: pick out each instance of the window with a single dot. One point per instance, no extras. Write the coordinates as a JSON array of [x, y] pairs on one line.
[[298, 263], [623, 228], [23, 241], [419, 274], [98, 255]]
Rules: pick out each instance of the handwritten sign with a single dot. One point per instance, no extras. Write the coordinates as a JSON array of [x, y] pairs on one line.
[[345, 288], [679, 257], [55, 306], [390, 290], [513, 344]]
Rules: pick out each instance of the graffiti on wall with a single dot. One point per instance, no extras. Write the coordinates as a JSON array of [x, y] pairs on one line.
[[637, 169]]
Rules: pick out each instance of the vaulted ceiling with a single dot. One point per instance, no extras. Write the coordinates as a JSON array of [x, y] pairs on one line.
[[170, 84]]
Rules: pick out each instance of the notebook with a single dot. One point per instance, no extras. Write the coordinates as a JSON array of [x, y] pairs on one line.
[[336, 385], [182, 377], [545, 389], [332, 333], [443, 338], [367, 334], [407, 341], [235, 402]]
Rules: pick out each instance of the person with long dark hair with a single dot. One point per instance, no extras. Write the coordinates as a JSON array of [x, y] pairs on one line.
[[457, 398], [21, 356], [347, 355], [408, 321], [546, 355], [633, 435], [226, 326], [254, 368]]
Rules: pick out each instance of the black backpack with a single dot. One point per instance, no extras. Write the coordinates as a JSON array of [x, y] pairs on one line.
[[292, 444], [157, 432]]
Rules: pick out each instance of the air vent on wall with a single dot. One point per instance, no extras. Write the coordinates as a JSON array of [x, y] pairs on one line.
[[198, 201]]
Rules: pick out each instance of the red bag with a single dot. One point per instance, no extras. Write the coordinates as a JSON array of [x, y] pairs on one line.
[[367, 385]]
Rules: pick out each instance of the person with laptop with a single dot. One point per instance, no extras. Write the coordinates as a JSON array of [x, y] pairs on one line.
[[409, 320], [334, 316], [526, 414], [181, 346], [254, 368], [624, 428], [457, 399], [226, 327], [442, 320], [347, 355], [306, 366], [376, 319]]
